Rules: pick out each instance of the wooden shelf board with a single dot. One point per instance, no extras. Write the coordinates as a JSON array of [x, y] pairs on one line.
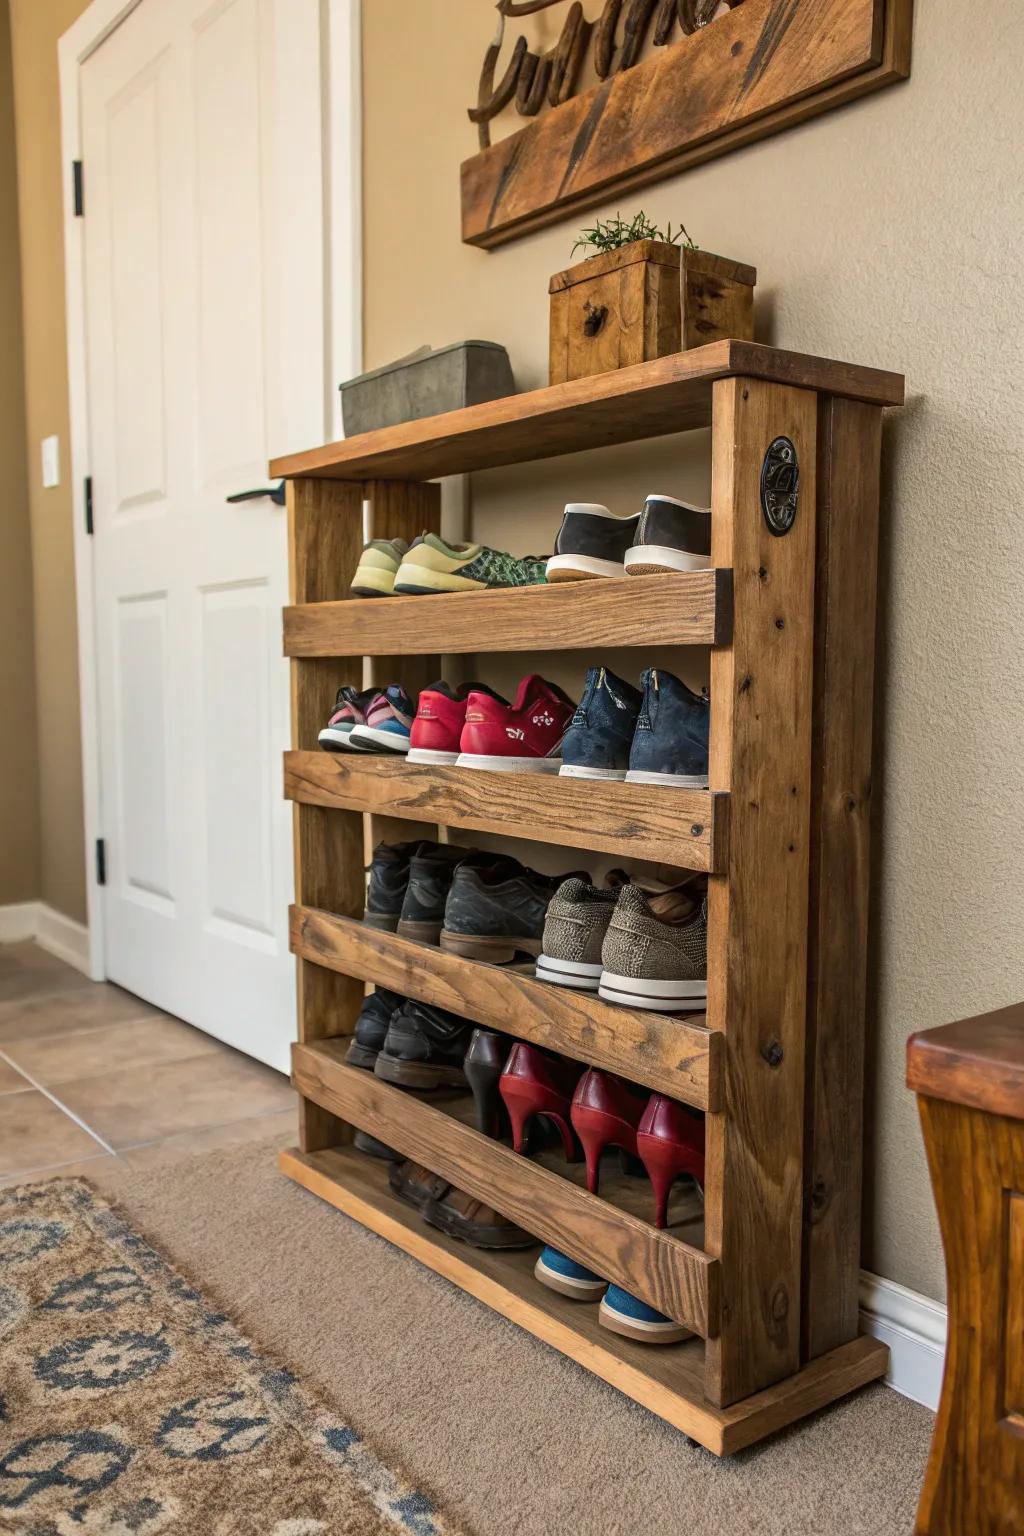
[[668, 1380], [684, 608], [669, 1274], [682, 827], [670, 394], [677, 1056]]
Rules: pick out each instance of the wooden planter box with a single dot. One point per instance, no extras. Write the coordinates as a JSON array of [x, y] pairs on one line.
[[644, 301]]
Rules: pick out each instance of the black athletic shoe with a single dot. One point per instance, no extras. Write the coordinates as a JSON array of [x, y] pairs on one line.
[[424, 1048], [673, 536], [372, 1027], [430, 879], [591, 542], [496, 909]]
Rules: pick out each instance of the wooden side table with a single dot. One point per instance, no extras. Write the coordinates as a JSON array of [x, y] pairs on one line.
[[969, 1079]]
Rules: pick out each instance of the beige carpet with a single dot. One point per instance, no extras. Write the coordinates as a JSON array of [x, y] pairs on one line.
[[510, 1438]]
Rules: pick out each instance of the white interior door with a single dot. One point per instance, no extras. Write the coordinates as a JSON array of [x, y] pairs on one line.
[[204, 244]]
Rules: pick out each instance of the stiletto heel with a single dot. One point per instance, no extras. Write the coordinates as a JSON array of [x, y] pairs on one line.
[[483, 1065], [605, 1113], [670, 1142], [536, 1084]]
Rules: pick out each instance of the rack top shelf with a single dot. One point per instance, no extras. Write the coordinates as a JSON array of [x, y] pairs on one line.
[[671, 394]]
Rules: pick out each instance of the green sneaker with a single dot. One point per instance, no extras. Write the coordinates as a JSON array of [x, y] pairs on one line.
[[431, 565], [378, 564]]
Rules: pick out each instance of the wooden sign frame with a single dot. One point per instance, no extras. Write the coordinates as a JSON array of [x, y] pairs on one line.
[[766, 65]]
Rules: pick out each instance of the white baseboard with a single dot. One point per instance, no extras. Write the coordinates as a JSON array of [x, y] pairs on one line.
[[52, 931], [18, 922], [914, 1327]]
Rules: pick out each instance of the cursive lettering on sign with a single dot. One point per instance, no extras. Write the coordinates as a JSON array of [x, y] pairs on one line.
[[531, 79]]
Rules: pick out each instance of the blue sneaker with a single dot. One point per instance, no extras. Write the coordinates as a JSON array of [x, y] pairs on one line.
[[597, 743], [622, 1313], [388, 723], [671, 741], [562, 1274]]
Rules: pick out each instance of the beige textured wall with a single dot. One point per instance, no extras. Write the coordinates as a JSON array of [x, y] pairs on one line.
[[888, 233], [19, 794], [35, 27]]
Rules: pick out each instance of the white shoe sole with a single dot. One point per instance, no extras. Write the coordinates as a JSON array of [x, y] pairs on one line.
[[583, 975], [662, 559], [680, 780], [578, 1290], [425, 755], [337, 741], [633, 1328], [509, 764], [580, 567], [661, 996], [373, 736], [572, 771]]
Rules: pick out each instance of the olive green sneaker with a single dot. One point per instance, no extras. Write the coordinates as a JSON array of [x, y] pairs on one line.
[[655, 953], [378, 566], [431, 565]]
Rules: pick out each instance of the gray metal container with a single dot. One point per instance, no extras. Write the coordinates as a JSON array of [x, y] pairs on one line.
[[426, 383]]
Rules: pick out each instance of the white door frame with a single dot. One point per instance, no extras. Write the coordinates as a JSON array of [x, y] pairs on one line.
[[340, 22]]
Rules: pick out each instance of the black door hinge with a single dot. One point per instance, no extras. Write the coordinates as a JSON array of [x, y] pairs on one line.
[[101, 861], [76, 172], [88, 505]]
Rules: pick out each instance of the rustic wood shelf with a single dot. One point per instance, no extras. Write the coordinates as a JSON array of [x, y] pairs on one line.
[[688, 608], [678, 1055], [684, 827], [669, 1381], [670, 394], [678, 1279], [776, 1062]]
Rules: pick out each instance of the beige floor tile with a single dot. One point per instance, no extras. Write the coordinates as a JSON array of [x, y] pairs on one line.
[[28, 956], [284, 1122], [35, 1134], [86, 1168], [21, 982], [11, 1080], [86, 1053], [89, 1005], [141, 1104]]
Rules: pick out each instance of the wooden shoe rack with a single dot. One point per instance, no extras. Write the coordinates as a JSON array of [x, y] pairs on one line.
[[767, 1280]]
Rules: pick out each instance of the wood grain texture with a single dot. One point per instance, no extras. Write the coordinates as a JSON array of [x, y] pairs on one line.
[[684, 827], [325, 537], [684, 608], [849, 456], [677, 1279], [671, 394], [758, 911], [716, 298], [974, 1481], [978, 1062], [678, 1056], [766, 65], [668, 1381]]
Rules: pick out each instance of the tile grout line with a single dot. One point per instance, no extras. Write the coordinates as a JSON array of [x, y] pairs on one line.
[[58, 1104]]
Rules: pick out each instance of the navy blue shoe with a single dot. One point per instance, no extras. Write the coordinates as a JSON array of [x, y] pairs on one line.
[[562, 1274], [671, 741], [622, 1313], [597, 743]]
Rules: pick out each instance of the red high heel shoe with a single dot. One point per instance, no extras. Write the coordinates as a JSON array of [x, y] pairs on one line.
[[669, 1141], [605, 1113], [534, 1083]]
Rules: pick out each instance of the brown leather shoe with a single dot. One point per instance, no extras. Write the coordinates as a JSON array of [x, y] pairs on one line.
[[451, 1210]]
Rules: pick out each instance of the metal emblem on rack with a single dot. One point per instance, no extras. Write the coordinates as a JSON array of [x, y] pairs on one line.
[[780, 482]]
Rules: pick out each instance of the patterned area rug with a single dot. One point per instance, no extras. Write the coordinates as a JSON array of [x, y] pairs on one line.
[[129, 1406]]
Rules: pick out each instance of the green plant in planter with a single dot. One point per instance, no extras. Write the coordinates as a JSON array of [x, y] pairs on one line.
[[610, 234]]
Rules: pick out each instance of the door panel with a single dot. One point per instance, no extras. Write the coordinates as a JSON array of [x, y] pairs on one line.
[[200, 123]]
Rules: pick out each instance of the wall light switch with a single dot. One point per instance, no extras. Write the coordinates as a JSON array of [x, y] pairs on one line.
[[51, 462]]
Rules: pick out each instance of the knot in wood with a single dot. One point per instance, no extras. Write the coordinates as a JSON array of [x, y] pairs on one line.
[[772, 1053]]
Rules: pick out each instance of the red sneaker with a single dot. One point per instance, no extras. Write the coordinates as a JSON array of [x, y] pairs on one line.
[[523, 737], [440, 716]]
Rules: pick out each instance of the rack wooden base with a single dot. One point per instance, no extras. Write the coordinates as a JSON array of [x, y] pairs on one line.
[[668, 1380]]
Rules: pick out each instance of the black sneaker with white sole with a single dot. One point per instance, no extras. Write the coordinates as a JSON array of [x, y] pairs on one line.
[[672, 536], [591, 542]]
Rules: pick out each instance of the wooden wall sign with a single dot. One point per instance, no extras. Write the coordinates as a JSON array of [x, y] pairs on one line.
[[739, 75]]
